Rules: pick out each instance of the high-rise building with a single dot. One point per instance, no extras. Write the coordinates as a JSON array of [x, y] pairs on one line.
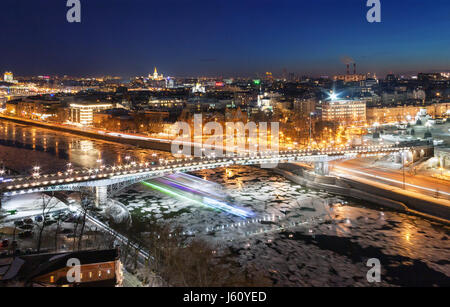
[[156, 76], [305, 106], [8, 77]]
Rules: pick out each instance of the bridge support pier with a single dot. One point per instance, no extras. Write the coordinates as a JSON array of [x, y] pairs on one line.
[[321, 168], [101, 196], [404, 157], [398, 158]]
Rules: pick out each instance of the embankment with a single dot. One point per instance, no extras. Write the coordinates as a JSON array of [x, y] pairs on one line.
[[375, 193], [147, 144]]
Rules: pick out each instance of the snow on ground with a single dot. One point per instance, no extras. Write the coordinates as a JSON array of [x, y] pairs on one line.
[[28, 205]]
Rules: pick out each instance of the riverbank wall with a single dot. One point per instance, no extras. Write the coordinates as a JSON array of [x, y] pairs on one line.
[[375, 193]]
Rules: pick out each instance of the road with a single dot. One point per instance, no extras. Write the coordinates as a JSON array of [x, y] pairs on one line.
[[354, 169]]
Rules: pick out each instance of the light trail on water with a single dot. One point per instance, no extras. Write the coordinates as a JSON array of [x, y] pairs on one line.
[[205, 201]]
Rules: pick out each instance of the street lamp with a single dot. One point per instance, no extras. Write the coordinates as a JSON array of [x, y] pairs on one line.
[[36, 171], [333, 96], [310, 127], [403, 170], [127, 158], [100, 162], [69, 168]]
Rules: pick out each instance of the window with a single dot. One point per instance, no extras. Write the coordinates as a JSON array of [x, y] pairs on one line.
[[52, 279], [90, 274]]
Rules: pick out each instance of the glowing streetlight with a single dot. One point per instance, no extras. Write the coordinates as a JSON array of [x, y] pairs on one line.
[[36, 171], [333, 96]]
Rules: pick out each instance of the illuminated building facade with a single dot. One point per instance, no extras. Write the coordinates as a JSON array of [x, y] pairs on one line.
[[9, 77], [98, 268], [344, 111], [156, 76], [305, 106], [405, 113], [83, 114], [165, 102], [350, 78]]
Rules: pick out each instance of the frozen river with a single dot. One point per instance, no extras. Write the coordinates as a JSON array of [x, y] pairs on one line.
[[305, 237]]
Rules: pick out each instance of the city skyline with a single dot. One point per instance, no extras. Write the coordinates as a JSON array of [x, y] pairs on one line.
[[197, 38], [240, 144]]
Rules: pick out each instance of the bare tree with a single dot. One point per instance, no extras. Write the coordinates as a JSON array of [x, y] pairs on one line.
[[85, 204], [47, 203], [177, 260], [57, 230]]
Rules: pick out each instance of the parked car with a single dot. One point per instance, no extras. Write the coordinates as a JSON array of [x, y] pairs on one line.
[[49, 222], [5, 243], [18, 223], [38, 218], [26, 227], [26, 234], [28, 221]]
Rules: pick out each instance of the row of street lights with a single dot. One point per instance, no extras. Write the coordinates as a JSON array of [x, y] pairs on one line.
[[130, 163]]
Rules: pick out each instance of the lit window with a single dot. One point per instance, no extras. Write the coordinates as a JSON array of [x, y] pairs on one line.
[[52, 279], [90, 274]]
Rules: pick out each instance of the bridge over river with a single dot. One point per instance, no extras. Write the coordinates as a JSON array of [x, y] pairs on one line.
[[110, 179]]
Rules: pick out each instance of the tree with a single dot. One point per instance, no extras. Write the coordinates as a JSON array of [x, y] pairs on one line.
[[179, 260], [85, 205], [47, 204], [58, 227]]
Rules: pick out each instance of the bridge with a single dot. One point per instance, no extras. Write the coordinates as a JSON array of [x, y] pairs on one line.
[[108, 180]]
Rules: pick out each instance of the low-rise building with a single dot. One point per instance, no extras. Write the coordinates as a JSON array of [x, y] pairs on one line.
[[124, 120], [351, 111], [83, 113], [443, 155], [97, 268]]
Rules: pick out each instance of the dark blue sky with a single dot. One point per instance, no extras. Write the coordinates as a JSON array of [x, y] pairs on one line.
[[222, 37]]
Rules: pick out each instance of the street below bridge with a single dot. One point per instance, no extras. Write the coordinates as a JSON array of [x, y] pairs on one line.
[[358, 168]]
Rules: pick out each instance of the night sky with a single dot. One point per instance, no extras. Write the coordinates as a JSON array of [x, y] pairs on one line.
[[222, 37]]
